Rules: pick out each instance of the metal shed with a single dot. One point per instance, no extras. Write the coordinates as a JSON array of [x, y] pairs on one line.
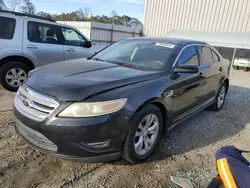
[[163, 16]]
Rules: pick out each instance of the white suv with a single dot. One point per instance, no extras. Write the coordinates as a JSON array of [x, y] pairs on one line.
[[28, 41]]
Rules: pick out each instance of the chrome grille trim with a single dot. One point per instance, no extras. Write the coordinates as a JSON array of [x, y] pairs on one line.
[[39, 98], [34, 105]]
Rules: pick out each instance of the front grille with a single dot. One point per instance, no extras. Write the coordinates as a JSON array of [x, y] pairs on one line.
[[35, 137], [34, 105]]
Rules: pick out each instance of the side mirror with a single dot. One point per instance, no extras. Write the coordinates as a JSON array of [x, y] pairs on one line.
[[186, 69], [87, 44]]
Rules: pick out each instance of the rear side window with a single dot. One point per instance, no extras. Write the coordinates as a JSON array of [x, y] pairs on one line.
[[7, 27], [216, 57], [45, 33], [189, 56], [206, 55]]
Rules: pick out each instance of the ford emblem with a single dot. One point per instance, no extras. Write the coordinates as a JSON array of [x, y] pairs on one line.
[[26, 102]]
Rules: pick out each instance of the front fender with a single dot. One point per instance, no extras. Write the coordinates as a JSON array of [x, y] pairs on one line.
[[139, 95]]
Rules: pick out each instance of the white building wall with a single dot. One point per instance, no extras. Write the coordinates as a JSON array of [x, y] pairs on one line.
[[84, 27], [163, 16]]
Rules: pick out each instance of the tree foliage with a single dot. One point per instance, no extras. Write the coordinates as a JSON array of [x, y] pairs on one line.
[[2, 5], [13, 4], [84, 15], [87, 12], [26, 6]]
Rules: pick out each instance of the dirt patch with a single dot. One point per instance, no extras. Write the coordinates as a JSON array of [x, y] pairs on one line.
[[187, 151]]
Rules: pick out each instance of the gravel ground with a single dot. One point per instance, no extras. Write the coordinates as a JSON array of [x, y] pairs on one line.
[[187, 151]]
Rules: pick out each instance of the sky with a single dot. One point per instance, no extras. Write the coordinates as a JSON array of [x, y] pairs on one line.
[[132, 8]]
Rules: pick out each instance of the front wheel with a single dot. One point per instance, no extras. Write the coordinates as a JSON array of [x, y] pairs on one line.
[[220, 99], [13, 74], [145, 131]]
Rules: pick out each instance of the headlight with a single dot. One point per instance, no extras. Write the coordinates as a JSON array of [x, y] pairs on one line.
[[93, 109]]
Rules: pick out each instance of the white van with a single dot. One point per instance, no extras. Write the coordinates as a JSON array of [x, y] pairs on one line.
[[28, 41]]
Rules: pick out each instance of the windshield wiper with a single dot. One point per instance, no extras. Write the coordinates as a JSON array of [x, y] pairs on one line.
[[97, 59], [119, 63], [127, 65]]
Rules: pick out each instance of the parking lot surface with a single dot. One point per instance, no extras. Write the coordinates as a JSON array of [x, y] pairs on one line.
[[187, 151]]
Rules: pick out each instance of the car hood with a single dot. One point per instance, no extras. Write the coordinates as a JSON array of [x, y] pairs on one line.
[[76, 80]]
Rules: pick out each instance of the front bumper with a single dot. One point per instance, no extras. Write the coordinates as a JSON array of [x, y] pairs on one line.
[[95, 139], [242, 65]]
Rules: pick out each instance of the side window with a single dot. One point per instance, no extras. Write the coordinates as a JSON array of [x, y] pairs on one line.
[[216, 57], [206, 55], [189, 56], [72, 37], [7, 28], [45, 33]]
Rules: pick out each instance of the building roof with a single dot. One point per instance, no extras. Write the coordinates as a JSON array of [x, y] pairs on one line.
[[222, 39], [171, 40]]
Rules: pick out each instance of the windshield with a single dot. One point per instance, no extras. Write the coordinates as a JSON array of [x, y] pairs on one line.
[[141, 54]]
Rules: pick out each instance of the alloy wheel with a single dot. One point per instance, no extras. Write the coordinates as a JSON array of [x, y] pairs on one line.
[[15, 77], [221, 97], [146, 134]]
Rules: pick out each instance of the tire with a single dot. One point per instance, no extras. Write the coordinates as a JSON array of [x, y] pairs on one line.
[[129, 152], [245, 69], [7, 70], [236, 67], [217, 106]]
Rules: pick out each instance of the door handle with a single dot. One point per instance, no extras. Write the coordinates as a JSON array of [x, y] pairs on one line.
[[32, 47], [71, 50], [220, 69], [201, 75]]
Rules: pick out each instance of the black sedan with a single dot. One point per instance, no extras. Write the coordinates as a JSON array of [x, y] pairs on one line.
[[118, 102]]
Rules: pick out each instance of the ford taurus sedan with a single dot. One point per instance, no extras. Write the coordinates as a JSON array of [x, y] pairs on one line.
[[119, 101]]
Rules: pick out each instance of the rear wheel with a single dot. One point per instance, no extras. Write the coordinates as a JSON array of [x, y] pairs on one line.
[[245, 69], [145, 131], [220, 99], [13, 74], [236, 67]]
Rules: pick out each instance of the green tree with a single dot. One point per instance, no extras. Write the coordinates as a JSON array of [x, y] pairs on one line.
[[87, 12], [2, 5], [13, 4], [80, 14], [44, 14], [27, 7], [83, 15]]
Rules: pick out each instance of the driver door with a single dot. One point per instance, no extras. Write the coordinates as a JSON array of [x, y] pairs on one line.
[[73, 47], [187, 87]]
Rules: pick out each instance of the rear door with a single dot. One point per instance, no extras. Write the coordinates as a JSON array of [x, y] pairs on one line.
[[211, 70], [73, 46], [187, 88], [43, 42]]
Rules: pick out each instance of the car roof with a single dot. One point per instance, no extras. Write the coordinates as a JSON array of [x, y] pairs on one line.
[[175, 41], [23, 15]]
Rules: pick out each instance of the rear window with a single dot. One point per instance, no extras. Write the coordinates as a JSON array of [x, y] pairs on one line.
[[7, 27], [206, 55]]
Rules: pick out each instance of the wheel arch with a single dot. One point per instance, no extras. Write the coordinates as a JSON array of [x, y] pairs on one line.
[[226, 81], [21, 59], [158, 103]]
